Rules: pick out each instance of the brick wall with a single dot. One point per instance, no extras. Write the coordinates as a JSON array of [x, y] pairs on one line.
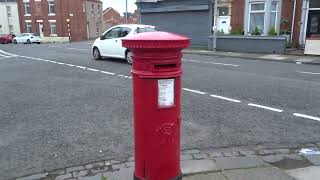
[[63, 9], [237, 13], [238, 10]]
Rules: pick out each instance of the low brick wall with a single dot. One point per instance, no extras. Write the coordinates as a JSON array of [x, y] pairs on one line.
[[251, 44], [55, 39]]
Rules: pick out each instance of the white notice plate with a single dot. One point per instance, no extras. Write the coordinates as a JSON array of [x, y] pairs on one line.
[[165, 92]]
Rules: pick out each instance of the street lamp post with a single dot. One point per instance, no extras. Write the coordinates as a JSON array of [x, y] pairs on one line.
[[69, 33], [126, 12], [215, 17]]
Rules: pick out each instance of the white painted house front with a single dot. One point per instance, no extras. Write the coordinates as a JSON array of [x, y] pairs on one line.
[[9, 17]]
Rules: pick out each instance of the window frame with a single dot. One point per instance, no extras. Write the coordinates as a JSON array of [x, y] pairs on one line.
[[9, 12], [277, 14], [105, 34], [92, 9], [27, 27], [256, 12], [98, 14], [51, 4], [25, 8], [11, 29], [55, 26]]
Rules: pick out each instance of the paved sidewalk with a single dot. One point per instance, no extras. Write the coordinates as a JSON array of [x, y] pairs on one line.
[[254, 56], [239, 163]]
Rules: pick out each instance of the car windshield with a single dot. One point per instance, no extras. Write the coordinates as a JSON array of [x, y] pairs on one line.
[[146, 29]]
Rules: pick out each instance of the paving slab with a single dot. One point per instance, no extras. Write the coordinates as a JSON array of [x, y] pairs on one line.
[[209, 176], [266, 173], [272, 158], [308, 173], [314, 159], [239, 162], [198, 166], [123, 174]]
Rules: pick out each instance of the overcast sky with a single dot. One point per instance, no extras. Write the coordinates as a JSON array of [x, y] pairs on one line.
[[120, 5]]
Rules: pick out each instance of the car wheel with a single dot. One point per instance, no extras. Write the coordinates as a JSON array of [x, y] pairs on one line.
[[28, 41], [96, 54], [129, 57], [15, 42]]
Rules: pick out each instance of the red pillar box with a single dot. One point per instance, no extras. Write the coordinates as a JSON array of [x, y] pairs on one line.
[[156, 74]]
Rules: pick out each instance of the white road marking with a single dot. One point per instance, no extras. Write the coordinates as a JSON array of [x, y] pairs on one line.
[[3, 52], [4, 56], [71, 65], [265, 107], [81, 67], [105, 72], [194, 91], [79, 49], [205, 62], [124, 76], [225, 98], [303, 72], [306, 116], [90, 69]]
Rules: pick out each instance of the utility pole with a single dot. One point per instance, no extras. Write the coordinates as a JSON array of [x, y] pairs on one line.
[[126, 12], [215, 17]]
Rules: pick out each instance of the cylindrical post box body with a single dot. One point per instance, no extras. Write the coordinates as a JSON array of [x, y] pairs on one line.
[[156, 75]]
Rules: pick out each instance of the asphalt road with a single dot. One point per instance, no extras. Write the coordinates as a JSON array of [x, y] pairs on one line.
[[60, 108]]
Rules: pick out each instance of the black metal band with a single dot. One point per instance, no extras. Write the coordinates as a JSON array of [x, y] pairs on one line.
[[176, 178]]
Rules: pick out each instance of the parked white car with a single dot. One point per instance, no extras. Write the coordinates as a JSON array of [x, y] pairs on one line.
[[109, 44], [27, 38]]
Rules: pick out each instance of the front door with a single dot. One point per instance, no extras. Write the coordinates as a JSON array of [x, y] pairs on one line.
[[40, 26], [223, 20]]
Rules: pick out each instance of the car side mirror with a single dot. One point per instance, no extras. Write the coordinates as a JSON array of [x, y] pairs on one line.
[[102, 37]]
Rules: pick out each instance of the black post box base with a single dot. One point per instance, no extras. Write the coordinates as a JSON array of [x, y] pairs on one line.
[[176, 178]]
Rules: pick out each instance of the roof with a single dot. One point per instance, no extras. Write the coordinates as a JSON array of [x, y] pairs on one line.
[[134, 25]]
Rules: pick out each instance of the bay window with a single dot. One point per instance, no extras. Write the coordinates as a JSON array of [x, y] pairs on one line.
[[274, 15], [262, 15], [256, 17]]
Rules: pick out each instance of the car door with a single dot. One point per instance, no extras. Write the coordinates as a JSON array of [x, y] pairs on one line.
[[119, 50], [20, 38], [107, 42]]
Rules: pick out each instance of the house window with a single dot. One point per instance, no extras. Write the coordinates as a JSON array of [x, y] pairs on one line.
[[9, 11], [274, 15], [92, 9], [98, 10], [29, 27], [26, 8], [53, 27], [256, 17], [223, 11], [51, 7], [97, 28], [11, 29]]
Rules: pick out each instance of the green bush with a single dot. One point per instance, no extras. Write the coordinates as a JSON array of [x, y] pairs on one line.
[[272, 32], [221, 32], [237, 31], [256, 32]]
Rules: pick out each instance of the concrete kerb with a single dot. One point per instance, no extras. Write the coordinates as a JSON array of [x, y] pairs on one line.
[[252, 57]]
